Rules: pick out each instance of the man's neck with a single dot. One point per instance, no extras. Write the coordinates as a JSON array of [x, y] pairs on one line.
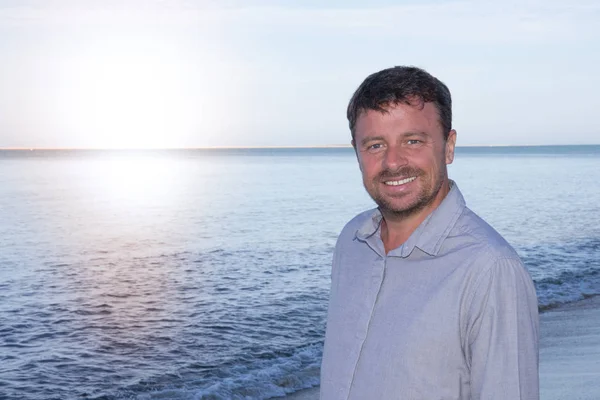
[[396, 230]]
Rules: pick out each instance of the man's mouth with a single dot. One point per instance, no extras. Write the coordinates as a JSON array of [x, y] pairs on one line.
[[400, 182]]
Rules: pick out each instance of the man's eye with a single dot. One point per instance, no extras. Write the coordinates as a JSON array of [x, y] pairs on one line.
[[414, 141], [375, 146]]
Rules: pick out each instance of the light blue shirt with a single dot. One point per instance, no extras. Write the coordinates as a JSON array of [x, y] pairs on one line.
[[450, 314]]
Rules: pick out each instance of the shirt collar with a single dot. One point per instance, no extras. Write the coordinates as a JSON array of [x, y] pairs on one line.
[[429, 235]]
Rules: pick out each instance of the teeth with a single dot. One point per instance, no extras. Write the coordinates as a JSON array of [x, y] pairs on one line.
[[402, 182]]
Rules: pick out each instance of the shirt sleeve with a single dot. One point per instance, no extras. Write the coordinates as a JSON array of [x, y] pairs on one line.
[[503, 334]]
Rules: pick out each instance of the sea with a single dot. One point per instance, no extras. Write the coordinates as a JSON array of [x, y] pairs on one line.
[[204, 274]]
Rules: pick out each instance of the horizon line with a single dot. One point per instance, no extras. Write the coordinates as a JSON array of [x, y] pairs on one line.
[[327, 146], [176, 148]]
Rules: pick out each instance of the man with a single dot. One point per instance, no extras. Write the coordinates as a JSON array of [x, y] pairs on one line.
[[427, 300]]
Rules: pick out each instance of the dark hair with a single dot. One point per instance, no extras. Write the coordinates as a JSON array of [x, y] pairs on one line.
[[401, 85]]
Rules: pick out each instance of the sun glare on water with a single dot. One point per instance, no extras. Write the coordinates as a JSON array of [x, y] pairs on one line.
[[130, 182], [130, 95]]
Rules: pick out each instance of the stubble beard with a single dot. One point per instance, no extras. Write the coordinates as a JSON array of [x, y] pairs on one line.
[[425, 197]]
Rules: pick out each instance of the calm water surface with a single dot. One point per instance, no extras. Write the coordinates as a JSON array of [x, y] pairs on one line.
[[205, 274]]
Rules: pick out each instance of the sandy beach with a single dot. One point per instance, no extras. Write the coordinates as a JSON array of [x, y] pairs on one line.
[[569, 354]]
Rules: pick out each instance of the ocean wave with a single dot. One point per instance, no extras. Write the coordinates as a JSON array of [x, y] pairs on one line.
[[564, 272], [567, 287], [259, 379]]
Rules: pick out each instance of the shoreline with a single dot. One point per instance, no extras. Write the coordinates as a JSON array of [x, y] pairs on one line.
[[569, 353]]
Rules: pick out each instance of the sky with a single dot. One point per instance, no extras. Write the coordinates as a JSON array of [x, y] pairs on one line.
[[153, 74]]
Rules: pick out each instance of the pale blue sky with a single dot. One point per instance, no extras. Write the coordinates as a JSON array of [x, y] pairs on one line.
[[108, 73]]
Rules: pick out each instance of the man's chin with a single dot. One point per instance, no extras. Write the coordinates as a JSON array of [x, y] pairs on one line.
[[400, 209], [406, 209]]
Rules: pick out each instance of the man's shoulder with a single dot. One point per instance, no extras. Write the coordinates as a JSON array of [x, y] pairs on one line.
[[474, 234]]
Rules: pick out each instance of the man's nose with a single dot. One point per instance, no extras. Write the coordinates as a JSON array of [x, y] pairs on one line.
[[394, 158]]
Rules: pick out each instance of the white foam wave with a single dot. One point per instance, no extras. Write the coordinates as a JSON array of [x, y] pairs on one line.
[[261, 380]]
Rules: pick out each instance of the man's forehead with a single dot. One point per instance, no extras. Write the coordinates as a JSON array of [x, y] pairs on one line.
[[413, 108], [414, 101], [408, 118]]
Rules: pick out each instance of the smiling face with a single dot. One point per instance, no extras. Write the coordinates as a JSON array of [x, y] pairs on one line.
[[402, 155]]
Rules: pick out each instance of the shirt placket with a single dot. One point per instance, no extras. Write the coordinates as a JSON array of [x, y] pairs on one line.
[[377, 278]]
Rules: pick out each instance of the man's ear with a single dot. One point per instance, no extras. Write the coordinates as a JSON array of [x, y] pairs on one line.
[[450, 144]]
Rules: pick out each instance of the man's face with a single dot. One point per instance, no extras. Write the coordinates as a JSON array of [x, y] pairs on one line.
[[402, 155]]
